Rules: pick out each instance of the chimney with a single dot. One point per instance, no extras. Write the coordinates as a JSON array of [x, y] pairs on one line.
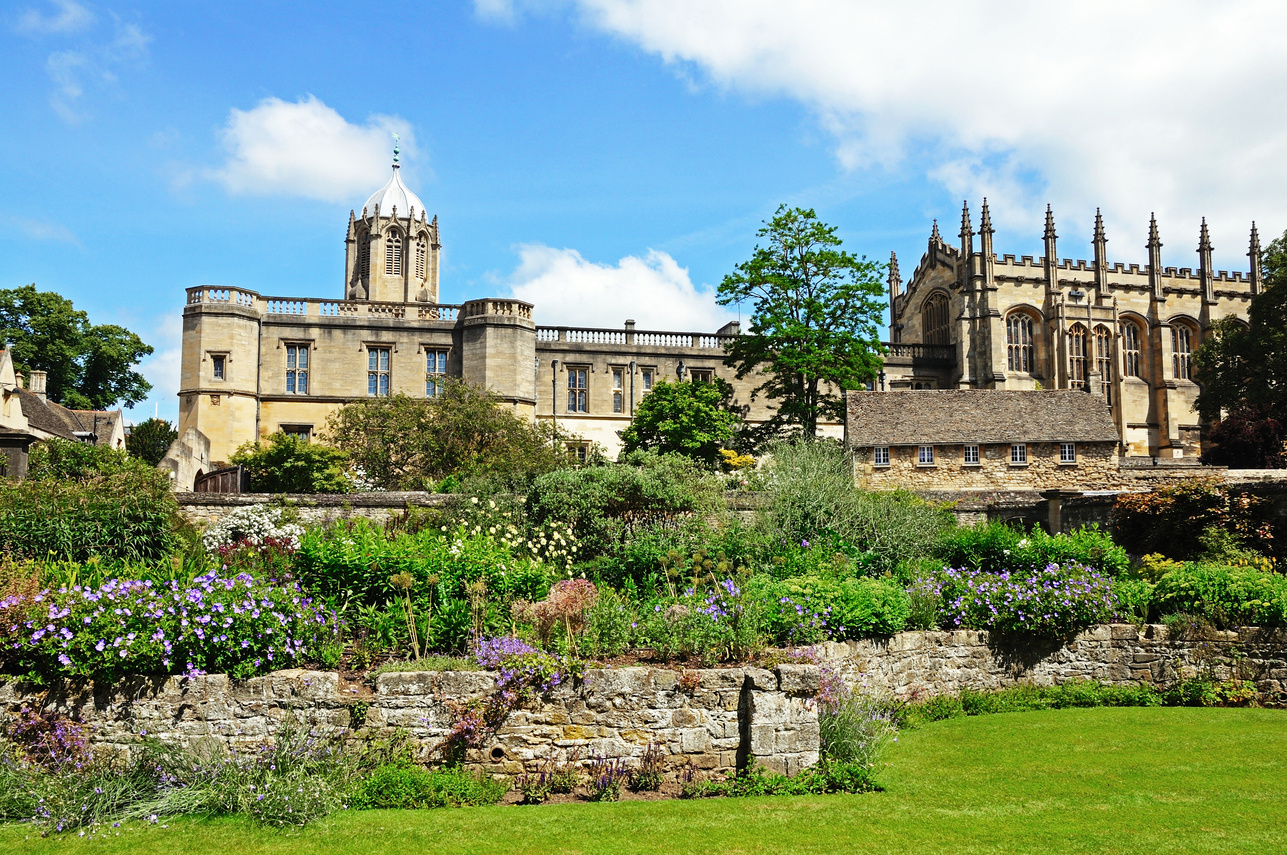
[[37, 384]]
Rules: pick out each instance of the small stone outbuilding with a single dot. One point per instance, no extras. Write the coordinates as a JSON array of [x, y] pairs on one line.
[[975, 439]]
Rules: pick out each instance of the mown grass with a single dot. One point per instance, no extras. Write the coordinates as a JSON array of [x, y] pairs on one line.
[[1122, 780]]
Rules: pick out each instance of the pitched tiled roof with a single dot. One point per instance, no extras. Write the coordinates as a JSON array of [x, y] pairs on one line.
[[956, 416], [40, 416]]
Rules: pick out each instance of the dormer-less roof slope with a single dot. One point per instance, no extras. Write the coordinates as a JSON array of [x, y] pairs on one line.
[[41, 417], [960, 416]]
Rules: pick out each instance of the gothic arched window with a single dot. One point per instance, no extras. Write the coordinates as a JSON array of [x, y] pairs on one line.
[[393, 254], [420, 258], [363, 255], [1077, 356], [1181, 352], [1131, 352], [1020, 352], [934, 323]]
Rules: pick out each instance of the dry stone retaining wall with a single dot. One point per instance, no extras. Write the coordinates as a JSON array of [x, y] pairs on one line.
[[715, 720], [916, 664]]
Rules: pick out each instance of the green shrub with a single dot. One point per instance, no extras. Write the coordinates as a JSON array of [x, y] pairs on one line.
[[609, 625], [824, 777], [1174, 520], [82, 501], [813, 496], [403, 786], [606, 505], [712, 625], [1226, 596], [1134, 599], [292, 464], [995, 547], [658, 557], [808, 609]]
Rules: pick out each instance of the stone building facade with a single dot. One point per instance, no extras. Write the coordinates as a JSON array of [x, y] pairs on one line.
[[1123, 331], [972, 440], [253, 365]]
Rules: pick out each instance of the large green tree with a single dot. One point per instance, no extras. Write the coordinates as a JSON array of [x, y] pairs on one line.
[[693, 419], [404, 443], [149, 440], [1243, 373], [813, 328], [88, 366]]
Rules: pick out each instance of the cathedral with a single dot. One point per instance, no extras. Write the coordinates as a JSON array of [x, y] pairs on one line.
[[970, 319], [255, 364]]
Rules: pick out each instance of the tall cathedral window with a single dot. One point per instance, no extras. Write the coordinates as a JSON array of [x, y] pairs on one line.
[[393, 254], [1020, 355], [1181, 352], [1104, 359], [1130, 349], [934, 323], [420, 258], [1077, 356]]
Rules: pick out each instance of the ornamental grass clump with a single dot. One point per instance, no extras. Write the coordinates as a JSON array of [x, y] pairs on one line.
[[1054, 601], [235, 625]]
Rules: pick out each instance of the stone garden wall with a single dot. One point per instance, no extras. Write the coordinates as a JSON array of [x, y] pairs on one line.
[[918, 664], [713, 719]]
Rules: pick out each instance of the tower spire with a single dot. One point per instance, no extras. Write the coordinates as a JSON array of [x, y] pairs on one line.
[[1052, 250], [1154, 246], [895, 281], [1101, 253], [967, 231], [935, 237], [395, 149], [1254, 255], [1205, 272]]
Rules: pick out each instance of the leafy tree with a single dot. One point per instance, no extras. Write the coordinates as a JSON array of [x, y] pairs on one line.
[[813, 328], [403, 443], [1241, 369], [87, 366], [292, 464], [150, 440], [693, 419]]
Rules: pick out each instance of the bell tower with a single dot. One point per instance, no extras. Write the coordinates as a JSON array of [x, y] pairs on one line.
[[392, 249]]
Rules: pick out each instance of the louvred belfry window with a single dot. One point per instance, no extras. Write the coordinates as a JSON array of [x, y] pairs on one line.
[[393, 254], [420, 259]]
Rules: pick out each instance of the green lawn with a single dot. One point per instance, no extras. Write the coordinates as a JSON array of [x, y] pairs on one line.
[[1148, 780]]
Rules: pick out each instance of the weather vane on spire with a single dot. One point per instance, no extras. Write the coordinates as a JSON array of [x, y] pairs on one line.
[[395, 148]]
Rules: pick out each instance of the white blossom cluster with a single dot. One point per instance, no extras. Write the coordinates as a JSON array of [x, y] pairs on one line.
[[253, 523]]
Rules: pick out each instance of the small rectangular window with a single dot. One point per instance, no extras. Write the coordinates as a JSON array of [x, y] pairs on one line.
[[971, 455], [1019, 454], [377, 372], [217, 366], [702, 375], [435, 372], [304, 432], [297, 369], [580, 449], [880, 456], [925, 455], [1067, 452], [645, 375], [618, 395], [578, 394]]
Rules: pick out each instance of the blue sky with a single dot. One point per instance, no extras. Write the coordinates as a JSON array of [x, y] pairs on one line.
[[611, 158]]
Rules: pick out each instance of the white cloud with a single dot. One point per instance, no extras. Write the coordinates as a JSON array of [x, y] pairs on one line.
[[655, 291], [1166, 105], [44, 230], [93, 68], [69, 17], [306, 148]]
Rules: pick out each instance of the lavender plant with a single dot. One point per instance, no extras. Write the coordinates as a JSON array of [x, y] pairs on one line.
[[607, 776]]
